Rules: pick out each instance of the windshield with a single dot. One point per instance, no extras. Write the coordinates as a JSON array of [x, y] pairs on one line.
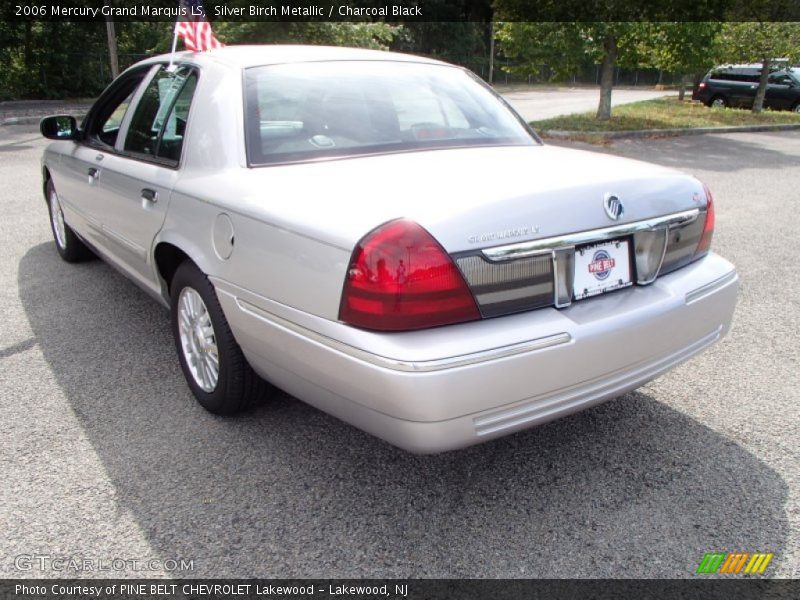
[[306, 111]]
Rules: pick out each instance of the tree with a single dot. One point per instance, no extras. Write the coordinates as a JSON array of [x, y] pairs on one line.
[[680, 48], [39, 59], [362, 35], [451, 40], [762, 42], [566, 47]]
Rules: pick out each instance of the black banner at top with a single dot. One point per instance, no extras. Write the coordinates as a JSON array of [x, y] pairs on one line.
[[399, 11]]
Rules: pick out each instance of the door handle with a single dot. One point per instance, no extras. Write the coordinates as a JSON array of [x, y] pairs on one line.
[[149, 195], [93, 174]]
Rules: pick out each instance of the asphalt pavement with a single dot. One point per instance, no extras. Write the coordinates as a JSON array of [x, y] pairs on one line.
[[105, 454], [545, 103]]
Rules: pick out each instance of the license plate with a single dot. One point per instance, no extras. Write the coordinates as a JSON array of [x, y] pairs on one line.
[[600, 268]]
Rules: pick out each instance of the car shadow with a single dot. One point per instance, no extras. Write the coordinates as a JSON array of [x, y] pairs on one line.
[[723, 153], [14, 147], [630, 488]]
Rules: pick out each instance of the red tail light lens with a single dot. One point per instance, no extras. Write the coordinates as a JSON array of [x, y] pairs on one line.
[[708, 228], [400, 278], [701, 85]]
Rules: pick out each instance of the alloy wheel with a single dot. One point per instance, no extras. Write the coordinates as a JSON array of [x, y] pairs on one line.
[[198, 340], [57, 218]]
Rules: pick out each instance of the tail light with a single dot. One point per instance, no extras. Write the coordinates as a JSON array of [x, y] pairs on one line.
[[708, 229], [400, 278], [701, 85]]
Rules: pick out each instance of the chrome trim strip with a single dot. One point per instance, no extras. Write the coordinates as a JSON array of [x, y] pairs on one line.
[[648, 280], [123, 241], [91, 221], [563, 282], [705, 290], [588, 392], [525, 249], [394, 364]]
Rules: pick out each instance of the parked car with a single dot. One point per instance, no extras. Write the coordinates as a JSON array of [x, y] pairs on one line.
[[736, 85], [383, 237]]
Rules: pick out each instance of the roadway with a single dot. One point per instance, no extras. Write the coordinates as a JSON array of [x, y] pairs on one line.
[[105, 454]]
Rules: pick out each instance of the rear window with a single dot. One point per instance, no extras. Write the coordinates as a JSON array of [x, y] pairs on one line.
[[307, 111], [746, 76]]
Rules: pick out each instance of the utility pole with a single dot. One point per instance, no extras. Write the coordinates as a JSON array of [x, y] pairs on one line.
[[112, 47], [491, 52]]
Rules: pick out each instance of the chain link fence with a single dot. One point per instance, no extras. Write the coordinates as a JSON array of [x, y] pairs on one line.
[[66, 75], [85, 75], [589, 75]]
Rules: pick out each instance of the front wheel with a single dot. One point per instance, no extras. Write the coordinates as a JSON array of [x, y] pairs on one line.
[[69, 245], [212, 362]]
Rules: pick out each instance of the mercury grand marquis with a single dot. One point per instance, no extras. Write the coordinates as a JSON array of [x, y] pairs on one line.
[[383, 237]]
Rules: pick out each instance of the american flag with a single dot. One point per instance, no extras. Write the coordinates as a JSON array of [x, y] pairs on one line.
[[193, 28]]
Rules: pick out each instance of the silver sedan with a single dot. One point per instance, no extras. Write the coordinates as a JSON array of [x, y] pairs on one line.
[[383, 237]]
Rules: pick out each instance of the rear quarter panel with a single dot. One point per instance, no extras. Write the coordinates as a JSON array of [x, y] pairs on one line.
[[268, 261]]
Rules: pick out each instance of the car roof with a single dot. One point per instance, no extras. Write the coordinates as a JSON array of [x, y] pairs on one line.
[[751, 67], [776, 64], [269, 54]]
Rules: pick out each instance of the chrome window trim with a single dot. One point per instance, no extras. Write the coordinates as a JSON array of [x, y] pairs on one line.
[[526, 249]]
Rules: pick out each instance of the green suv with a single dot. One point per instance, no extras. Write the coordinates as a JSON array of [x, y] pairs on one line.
[[736, 85]]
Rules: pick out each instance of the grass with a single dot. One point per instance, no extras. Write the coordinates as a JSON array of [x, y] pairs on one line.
[[663, 113]]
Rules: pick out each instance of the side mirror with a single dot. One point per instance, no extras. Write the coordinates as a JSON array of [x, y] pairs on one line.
[[60, 127]]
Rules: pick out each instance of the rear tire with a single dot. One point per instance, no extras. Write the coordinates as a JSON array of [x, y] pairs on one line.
[[69, 245], [718, 102], [212, 362], [796, 107]]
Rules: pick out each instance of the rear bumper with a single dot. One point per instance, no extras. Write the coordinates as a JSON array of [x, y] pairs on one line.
[[463, 384], [701, 95]]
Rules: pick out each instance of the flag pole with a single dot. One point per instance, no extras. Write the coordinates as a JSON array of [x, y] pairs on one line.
[[174, 45]]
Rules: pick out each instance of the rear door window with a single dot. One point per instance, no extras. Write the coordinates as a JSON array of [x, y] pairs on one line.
[[735, 75]]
